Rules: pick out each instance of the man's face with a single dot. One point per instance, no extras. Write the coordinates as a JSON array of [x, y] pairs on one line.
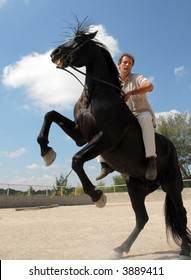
[[125, 66]]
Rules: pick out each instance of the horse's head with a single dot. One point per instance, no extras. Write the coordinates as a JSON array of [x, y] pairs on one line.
[[68, 54], [83, 50]]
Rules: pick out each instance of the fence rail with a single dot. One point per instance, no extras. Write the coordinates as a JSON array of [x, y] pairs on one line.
[[47, 189], [25, 188]]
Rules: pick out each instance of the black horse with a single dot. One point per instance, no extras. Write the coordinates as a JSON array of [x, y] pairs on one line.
[[106, 126]]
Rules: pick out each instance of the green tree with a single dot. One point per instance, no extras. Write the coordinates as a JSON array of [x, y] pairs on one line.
[[119, 179], [30, 191], [100, 184], [62, 186], [177, 127]]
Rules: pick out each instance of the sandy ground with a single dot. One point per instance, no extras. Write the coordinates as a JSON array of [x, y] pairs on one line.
[[85, 232]]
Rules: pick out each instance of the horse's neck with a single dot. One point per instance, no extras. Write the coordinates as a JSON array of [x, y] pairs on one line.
[[98, 69]]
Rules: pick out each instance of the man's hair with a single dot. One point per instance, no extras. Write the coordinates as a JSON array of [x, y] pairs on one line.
[[128, 55]]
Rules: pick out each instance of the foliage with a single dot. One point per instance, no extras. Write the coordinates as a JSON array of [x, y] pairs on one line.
[[100, 183], [79, 191], [30, 191], [120, 179], [177, 127], [62, 186]]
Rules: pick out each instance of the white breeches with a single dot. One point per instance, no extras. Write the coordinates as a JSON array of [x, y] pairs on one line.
[[145, 121]]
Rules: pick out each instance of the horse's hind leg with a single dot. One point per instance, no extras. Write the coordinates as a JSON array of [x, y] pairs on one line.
[[65, 124], [137, 196]]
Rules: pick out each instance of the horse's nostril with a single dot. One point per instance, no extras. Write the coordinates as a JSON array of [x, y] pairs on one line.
[[55, 52]]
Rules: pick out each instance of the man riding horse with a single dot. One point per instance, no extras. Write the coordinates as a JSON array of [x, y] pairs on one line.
[[135, 87]]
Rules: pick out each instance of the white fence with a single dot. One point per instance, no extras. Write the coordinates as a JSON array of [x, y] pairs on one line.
[[25, 188], [46, 189]]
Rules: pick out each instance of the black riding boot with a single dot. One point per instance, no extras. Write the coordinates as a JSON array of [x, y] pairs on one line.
[[105, 170], [151, 173]]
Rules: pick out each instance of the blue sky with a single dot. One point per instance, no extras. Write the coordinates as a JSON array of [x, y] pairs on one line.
[[157, 32]]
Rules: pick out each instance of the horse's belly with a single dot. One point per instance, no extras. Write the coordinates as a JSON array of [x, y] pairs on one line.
[[126, 163]]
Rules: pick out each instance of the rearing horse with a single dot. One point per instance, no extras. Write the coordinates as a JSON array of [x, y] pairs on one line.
[[104, 125]]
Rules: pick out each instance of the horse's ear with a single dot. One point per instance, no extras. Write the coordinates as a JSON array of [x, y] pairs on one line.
[[92, 35]]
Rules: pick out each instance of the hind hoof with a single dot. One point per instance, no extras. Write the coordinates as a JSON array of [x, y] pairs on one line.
[[184, 257], [102, 201], [49, 157], [116, 255]]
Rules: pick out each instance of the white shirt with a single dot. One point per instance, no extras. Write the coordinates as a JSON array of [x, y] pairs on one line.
[[137, 103]]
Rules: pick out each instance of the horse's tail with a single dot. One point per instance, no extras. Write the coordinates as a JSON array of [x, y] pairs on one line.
[[175, 223]]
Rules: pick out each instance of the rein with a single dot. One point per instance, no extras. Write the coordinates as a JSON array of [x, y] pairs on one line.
[[93, 78], [74, 76], [98, 80]]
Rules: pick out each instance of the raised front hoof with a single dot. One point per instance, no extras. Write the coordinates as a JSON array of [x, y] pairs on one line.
[[49, 157], [184, 257], [115, 255], [102, 201]]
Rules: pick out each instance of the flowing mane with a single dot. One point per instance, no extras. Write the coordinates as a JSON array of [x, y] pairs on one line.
[[111, 65], [83, 29]]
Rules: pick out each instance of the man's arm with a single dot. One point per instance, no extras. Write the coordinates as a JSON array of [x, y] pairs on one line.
[[145, 87]]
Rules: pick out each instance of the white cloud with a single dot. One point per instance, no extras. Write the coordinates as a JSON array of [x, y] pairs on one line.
[[91, 167], [172, 114], [179, 72], [2, 2], [108, 40], [44, 180], [27, 2], [18, 153], [15, 154], [166, 114], [32, 167], [44, 84], [35, 167]]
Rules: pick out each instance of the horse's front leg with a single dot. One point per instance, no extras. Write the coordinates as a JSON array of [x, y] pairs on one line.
[[90, 151], [68, 126]]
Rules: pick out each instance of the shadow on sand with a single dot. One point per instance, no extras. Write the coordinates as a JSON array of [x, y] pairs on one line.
[[158, 255]]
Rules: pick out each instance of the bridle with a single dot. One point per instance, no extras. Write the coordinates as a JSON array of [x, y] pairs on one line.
[[68, 60], [69, 57]]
